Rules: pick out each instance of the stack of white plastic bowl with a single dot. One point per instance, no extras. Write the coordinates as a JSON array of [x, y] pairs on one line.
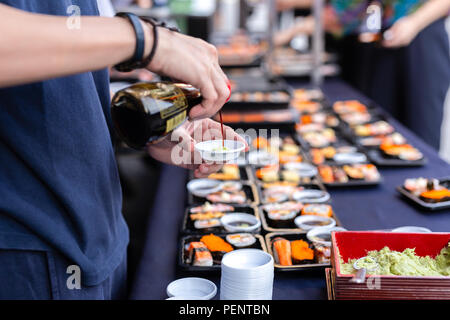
[[247, 274]]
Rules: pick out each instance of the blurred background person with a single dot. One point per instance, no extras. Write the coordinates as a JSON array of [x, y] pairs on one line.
[[407, 71]]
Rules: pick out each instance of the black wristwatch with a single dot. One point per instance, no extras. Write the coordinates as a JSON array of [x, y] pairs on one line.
[[138, 61], [134, 62]]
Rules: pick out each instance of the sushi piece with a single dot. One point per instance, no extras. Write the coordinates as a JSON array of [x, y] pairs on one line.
[[306, 106], [281, 218], [317, 156], [288, 205], [199, 255], [206, 224], [436, 195], [343, 107], [217, 246], [374, 129], [206, 215], [370, 172], [301, 252], [291, 148], [331, 121], [329, 152], [208, 207], [286, 157], [282, 251], [326, 173], [268, 173], [290, 175], [260, 143], [354, 172], [227, 197], [416, 186], [228, 172], [339, 175], [241, 240], [322, 254], [323, 210], [215, 243]]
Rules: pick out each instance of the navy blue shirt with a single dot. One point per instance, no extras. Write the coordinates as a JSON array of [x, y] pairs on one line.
[[59, 184]]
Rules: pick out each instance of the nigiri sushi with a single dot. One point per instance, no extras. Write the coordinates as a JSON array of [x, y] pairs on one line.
[[282, 251]]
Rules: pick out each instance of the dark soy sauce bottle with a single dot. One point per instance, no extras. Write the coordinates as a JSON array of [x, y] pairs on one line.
[[146, 112]]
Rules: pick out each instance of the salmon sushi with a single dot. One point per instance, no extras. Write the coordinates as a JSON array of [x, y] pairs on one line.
[[199, 255], [282, 251]]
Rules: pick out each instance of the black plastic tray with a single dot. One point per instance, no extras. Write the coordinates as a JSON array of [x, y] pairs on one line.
[[299, 267], [253, 63], [427, 205], [248, 82], [188, 224], [259, 244], [257, 105], [285, 126], [378, 158], [249, 189]]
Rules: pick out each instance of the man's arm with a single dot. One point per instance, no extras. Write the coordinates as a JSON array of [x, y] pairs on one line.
[[37, 47]]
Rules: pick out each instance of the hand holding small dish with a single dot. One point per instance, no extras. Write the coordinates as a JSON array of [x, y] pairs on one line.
[[220, 151]]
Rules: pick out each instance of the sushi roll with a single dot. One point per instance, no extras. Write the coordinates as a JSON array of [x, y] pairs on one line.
[[208, 207], [207, 224], [323, 210], [206, 215], [281, 218], [301, 252], [241, 240], [282, 251], [228, 197], [199, 255]]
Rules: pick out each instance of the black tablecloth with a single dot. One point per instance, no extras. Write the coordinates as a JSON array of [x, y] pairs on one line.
[[374, 208]]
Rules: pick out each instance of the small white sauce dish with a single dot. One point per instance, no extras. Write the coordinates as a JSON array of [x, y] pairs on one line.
[[307, 222], [212, 150], [191, 289], [350, 158], [202, 187], [230, 219], [314, 234]]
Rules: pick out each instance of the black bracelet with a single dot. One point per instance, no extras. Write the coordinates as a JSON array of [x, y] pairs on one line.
[[149, 59], [155, 24], [135, 61]]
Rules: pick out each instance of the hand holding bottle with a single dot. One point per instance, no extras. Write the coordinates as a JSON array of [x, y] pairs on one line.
[[194, 61]]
